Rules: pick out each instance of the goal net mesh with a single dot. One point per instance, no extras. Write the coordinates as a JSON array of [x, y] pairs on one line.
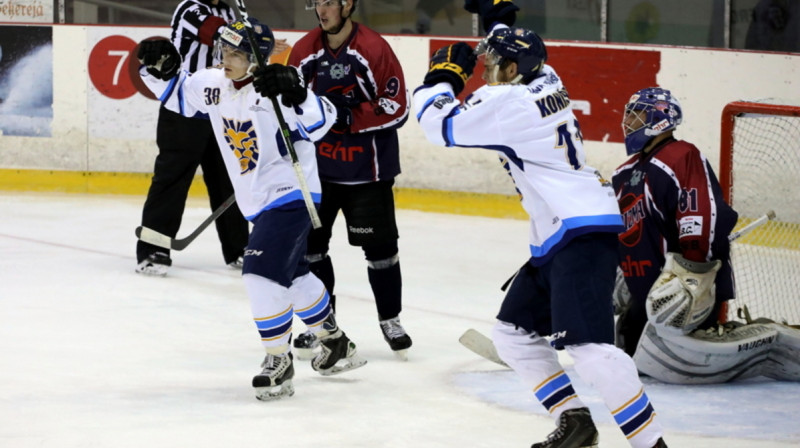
[[760, 171]]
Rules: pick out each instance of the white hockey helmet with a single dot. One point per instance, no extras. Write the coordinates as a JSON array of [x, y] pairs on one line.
[[683, 295]]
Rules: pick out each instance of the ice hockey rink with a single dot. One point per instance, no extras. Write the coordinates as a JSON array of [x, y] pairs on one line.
[[94, 355]]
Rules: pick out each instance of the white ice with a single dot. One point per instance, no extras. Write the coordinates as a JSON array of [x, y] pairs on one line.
[[94, 355]]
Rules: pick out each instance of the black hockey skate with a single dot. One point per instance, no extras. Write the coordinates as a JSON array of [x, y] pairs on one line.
[[394, 334], [660, 444], [338, 353], [275, 381], [306, 345], [575, 430]]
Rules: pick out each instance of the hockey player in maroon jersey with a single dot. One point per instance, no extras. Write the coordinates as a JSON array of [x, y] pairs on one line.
[[354, 67], [671, 202], [675, 261]]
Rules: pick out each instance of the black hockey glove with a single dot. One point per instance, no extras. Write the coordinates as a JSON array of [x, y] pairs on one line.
[[160, 58], [344, 114], [491, 11], [452, 64], [277, 79]]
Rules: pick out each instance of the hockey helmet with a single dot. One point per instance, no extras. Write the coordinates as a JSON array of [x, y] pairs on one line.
[[519, 45], [235, 36], [662, 113]]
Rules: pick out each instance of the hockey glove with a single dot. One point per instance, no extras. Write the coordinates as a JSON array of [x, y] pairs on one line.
[[344, 114], [160, 58], [452, 64], [493, 11], [277, 79]]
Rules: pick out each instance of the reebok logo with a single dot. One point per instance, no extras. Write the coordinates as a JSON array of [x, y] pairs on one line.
[[361, 230]]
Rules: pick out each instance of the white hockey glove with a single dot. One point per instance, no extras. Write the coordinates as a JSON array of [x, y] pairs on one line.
[[683, 295]]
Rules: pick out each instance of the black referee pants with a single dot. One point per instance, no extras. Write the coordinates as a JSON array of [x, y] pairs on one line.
[[183, 145]]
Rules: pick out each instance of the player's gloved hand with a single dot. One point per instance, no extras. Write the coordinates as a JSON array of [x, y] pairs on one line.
[[452, 64], [160, 58], [277, 79], [493, 11], [344, 113]]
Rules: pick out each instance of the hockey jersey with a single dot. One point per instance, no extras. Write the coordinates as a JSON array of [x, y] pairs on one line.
[[366, 73], [249, 137], [671, 201], [537, 137]]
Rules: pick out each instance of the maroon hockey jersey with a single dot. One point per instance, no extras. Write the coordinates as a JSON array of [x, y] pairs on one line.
[[366, 74], [671, 201]]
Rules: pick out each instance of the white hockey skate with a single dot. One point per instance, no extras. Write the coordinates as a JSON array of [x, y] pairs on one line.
[[397, 338], [275, 380]]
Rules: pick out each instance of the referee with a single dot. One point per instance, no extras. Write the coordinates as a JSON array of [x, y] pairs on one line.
[[184, 143]]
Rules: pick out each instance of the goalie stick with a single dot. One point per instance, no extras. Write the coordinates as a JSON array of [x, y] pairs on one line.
[[159, 239], [483, 346], [770, 215], [241, 12]]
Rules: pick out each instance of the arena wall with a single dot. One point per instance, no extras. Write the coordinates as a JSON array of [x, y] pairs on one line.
[[100, 136]]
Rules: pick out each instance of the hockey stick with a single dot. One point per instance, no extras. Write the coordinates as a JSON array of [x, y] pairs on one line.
[[241, 12], [770, 215], [484, 347], [480, 345], [159, 239]]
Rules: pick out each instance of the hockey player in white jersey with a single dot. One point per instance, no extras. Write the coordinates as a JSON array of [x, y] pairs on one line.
[[268, 191], [564, 290]]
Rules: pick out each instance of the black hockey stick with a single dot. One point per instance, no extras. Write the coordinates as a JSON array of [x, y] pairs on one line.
[[241, 12], [159, 239]]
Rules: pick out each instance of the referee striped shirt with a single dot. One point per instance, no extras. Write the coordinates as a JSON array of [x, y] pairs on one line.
[[186, 22]]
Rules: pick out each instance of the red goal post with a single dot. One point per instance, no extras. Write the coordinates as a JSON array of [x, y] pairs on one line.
[[760, 171]]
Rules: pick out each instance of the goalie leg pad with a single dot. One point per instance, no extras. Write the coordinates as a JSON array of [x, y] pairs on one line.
[[721, 354]]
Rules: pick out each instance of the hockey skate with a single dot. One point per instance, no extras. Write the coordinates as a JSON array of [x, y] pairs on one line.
[[155, 265], [275, 380], [305, 345], [575, 430], [660, 444], [396, 336], [337, 352]]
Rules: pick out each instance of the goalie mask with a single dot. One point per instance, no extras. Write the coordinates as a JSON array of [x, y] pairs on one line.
[[234, 37], [517, 45], [650, 112], [682, 297]]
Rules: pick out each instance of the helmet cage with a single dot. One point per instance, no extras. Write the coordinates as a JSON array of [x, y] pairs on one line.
[[650, 112]]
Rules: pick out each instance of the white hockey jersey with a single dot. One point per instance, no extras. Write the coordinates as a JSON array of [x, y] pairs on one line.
[[249, 137], [534, 131]]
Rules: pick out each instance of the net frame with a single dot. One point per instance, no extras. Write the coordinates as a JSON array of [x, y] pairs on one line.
[[766, 262]]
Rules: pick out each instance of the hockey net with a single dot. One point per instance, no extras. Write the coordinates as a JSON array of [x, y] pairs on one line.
[[760, 171]]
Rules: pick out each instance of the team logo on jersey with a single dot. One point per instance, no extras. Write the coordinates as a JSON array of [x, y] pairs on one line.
[[338, 71], [632, 208], [242, 140]]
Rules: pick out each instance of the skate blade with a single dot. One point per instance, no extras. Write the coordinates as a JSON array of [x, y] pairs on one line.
[[344, 365], [401, 355], [305, 354], [273, 393]]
